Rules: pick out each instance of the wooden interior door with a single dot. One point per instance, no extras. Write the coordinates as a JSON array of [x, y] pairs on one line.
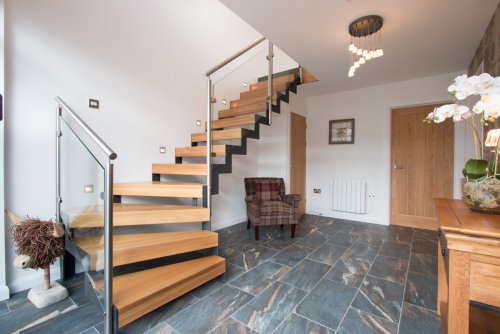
[[422, 166], [298, 159]]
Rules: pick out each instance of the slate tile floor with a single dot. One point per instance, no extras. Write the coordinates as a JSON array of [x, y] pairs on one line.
[[336, 276]]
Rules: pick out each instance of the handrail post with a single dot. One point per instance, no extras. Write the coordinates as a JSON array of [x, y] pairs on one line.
[[270, 84], [108, 249], [209, 144], [58, 164]]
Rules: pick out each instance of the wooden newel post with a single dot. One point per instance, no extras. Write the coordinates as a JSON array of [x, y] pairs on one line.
[[46, 277]]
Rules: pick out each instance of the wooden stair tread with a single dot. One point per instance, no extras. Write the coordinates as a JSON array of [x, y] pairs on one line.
[[159, 189], [243, 101], [139, 293], [218, 135], [263, 91], [248, 119], [136, 214], [180, 169], [243, 110], [131, 248], [278, 80], [199, 151]]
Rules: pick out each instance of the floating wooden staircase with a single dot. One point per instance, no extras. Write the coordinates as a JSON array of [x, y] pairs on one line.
[[136, 294]]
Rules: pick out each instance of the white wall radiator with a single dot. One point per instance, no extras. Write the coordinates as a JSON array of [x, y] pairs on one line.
[[349, 195]]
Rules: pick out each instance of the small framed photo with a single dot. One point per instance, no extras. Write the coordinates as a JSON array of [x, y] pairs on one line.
[[341, 131]]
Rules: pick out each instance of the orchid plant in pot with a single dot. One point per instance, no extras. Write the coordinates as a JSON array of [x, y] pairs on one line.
[[481, 191]]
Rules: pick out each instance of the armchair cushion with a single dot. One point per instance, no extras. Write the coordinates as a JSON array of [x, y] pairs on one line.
[[275, 209], [267, 191], [292, 199]]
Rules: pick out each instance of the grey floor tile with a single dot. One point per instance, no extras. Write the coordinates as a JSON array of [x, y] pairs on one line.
[[416, 320], [159, 315], [424, 246], [90, 330], [371, 237], [427, 234], [266, 311], [343, 239], [421, 291], [342, 273], [74, 321], [295, 324], [327, 303], [359, 257], [18, 300], [161, 328], [380, 297], [231, 326], [280, 243], [206, 314], [260, 277], [395, 249], [400, 235], [28, 313], [206, 289], [359, 322], [306, 274], [231, 255], [313, 240], [328, 253], [291, 255], [233, 272], [3, 307], [424, 265], [390, 268], [254, 257]]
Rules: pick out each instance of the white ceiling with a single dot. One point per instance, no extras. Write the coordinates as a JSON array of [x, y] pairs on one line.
[[420, 37]]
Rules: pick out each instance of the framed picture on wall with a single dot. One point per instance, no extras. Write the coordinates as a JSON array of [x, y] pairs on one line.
[[341, 131]]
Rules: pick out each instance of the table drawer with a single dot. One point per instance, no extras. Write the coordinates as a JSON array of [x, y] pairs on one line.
[[485, 283]]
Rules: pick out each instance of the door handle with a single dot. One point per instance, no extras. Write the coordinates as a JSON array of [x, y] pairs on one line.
[[398, 167], [295, 166]]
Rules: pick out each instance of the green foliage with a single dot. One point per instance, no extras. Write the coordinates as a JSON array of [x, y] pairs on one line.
[[475, 169]]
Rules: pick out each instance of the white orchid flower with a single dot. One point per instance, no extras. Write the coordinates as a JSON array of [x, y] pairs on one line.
[[489, 105]]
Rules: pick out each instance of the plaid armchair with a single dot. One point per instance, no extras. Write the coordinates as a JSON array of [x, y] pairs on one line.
[[267, 203]]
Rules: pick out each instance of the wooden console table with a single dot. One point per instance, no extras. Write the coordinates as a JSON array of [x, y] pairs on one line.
[[468, 263]]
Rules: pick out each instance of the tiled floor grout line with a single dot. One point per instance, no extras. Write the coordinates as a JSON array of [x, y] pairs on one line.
[[358, 289], [406, 281]]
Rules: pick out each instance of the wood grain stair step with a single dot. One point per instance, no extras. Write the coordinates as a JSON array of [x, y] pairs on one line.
[[139, 293], [159, 189], [262, 92], [276, 81], [242, 102], [180, 169], [131, 248], [249, 119], [199, 151], [243, 110], [136, 214], [218, 135]]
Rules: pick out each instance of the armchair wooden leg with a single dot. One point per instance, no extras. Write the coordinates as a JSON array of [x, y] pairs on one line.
[[281, 226], [256, 232], [293, 230], [248, 224]]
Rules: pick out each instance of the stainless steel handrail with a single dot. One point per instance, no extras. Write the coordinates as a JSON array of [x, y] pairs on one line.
[[233, 57], [91, 141], [91, 134]]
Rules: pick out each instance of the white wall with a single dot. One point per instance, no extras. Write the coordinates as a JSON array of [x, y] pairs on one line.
[[145, 64], [4, 290], [369, 157]]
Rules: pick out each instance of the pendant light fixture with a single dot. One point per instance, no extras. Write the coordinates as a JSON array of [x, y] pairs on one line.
[[366, 41]]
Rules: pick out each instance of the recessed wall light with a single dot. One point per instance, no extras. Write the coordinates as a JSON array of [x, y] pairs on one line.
[[245, 84], [89, 188], [224, 101], [163, 150], [198, 123]]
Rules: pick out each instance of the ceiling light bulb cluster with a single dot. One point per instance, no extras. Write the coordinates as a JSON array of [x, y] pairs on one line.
[[366, 41]]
